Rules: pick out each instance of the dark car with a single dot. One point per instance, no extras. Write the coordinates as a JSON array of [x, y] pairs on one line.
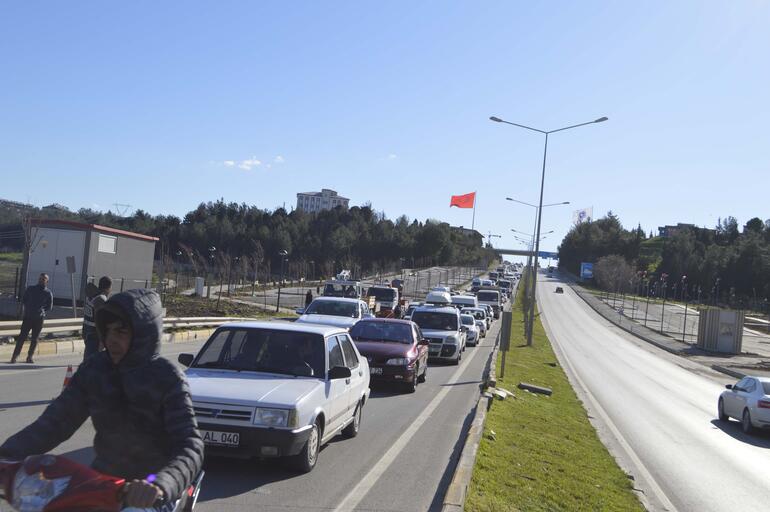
[[395, 349], [559, 289]]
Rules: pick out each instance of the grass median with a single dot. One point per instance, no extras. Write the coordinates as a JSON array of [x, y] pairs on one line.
[[545, 455]]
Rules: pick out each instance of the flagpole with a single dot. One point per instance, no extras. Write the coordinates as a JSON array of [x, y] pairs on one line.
[[473, 222]]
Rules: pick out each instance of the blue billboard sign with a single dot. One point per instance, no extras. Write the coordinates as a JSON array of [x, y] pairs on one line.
[[586, 271], [549, 255]]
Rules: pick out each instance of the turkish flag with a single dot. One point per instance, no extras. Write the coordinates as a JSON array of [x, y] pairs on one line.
[[463, 201]]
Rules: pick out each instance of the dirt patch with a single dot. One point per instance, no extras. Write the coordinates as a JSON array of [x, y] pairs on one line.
[[183, 306]]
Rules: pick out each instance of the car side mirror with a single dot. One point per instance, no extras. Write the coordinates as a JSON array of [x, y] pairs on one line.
[[424, 341], [339, 372], [300, 311], [729, 386], [464, 328], [185, 359]]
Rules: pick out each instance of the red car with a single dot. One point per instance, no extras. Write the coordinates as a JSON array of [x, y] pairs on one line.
[[395, 349]]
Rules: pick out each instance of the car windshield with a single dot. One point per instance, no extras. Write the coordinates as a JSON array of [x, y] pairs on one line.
[[382, 331], [766, 387], [350, 291], [488, 296], [477, 314], [435, 321], [382, 294], [504, 284], [265, 350], [467, 320], [333, 308]]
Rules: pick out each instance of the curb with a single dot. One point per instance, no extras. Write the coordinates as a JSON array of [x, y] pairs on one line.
[[728, 371], [454, 499]]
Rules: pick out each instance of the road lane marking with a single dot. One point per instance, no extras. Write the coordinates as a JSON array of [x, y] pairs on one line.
[[656, 489], [359, 492]]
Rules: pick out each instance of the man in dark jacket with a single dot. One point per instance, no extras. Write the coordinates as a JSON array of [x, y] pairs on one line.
[[94, 301], [139, 404], [37, 300]]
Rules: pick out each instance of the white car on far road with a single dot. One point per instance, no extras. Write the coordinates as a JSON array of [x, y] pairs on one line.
[[335, 311], [277, 389], [748, 401]]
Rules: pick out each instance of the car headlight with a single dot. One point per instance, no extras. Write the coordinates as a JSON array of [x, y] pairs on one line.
[[398, 361], [272, 417], [452, 340]]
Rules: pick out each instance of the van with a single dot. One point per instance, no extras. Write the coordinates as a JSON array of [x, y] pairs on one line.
[[491, 297], [465, 301]]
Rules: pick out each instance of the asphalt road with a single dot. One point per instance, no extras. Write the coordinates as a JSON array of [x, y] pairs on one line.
[[402, 460], [657, 413]]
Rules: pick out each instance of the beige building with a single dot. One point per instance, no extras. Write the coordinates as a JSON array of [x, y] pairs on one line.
[[326, 199]]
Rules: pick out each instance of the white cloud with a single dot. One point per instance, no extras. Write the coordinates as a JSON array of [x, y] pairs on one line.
[[249, 163], [229, 163], [279, 160], [392, 156]]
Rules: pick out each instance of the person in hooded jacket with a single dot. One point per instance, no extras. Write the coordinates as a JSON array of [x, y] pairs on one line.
[[139, 404]]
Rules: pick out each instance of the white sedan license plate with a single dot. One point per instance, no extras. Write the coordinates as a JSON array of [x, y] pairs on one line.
[[375, 371], [220, 438]]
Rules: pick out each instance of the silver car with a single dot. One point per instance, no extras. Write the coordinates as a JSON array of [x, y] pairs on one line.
[[472, 333], [747, 401]]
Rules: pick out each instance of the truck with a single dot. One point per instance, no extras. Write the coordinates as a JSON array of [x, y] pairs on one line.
[[386, 298]]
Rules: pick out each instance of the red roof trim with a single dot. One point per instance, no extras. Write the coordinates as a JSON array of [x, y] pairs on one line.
[[95, 227]]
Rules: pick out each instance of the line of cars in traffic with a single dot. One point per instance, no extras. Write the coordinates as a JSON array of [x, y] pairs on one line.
[[283, 389]]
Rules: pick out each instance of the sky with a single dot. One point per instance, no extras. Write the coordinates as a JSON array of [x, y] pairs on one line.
[[163, 105]]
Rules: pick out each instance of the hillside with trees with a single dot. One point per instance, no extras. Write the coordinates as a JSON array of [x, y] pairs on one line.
[[218, 234], [727, 261]]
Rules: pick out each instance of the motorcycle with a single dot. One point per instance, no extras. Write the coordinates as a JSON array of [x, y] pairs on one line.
[[51, 483]]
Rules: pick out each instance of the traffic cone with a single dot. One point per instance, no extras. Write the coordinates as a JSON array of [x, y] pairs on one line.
[[67, 378]]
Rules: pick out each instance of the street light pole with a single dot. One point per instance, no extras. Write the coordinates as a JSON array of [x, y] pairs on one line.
[[283, 255], [540, 204]]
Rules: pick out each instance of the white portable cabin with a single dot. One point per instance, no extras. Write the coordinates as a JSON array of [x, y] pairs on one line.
[[97, 251]]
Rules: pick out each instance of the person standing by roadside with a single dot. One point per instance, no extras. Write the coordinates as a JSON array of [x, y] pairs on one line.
[[92, 305], [308, 298], [37, 300]]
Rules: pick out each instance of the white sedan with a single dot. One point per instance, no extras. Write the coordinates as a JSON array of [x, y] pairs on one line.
[[335, 311], [748, 401], [277, 389]]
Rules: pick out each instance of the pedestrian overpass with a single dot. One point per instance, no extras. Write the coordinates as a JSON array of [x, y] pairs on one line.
[[520, 252]]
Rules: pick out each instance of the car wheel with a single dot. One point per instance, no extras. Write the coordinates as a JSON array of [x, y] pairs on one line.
[[306, 459], [352, 429], [721, 411], [411, 387], [457, 361], [424, 375], [746, 425]]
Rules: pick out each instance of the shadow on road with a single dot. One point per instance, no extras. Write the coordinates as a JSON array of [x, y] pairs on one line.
[[226, 478], [446, 478], [733, 429]]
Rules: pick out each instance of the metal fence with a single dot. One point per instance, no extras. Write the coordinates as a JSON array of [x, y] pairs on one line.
[[678, 319]]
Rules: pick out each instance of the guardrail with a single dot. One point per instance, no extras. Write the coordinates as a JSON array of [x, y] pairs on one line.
[[61, 325]]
